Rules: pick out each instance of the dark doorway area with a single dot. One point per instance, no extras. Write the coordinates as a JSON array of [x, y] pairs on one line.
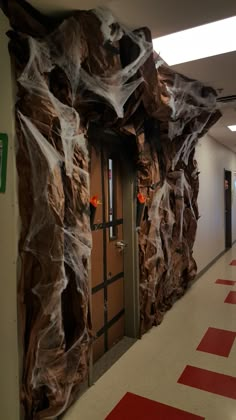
[[228, 208]]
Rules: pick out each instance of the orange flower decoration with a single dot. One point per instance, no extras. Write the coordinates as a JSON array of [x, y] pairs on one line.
[[141, 198], [94, 201]]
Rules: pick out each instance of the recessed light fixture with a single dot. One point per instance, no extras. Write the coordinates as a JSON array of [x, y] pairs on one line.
[[200, 42], [232, 127]]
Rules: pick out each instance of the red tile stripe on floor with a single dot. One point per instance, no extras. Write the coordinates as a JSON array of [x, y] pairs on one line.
[[226, 282], [134, 407], [209, 381], [217, 341], [233, 262], [231, 298]]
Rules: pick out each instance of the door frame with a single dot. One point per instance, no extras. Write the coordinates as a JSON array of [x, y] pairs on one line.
[[131, 265]]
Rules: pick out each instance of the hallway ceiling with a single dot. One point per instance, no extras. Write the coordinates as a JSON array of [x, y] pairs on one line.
[[168, 17]]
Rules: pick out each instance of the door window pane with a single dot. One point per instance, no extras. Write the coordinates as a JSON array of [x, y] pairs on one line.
[[111, 198]]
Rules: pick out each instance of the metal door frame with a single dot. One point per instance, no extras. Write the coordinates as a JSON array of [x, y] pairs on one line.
[[131, 268]]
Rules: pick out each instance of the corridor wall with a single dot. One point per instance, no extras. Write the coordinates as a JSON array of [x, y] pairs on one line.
[[9, 378], [212, 159]]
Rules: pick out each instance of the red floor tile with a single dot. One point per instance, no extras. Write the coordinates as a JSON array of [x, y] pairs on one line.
[[231, 298], [233, 262], [217, 341], [213, 382], [134, 407], [226, 282]]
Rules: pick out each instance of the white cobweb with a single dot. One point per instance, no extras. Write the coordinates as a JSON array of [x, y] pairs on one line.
[[49, 239]]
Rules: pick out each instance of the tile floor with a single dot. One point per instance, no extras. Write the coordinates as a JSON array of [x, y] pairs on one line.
[[187, 363]]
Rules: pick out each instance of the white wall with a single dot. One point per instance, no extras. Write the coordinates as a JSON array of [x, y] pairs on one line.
[[212, 159], [9, 373]]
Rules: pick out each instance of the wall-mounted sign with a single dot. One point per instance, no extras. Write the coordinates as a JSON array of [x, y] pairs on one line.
[[3, 161]]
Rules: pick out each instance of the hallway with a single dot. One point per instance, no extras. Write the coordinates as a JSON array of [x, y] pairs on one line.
[[152, 367]]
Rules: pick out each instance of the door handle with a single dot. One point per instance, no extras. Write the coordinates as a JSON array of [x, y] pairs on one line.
[[121, 245]]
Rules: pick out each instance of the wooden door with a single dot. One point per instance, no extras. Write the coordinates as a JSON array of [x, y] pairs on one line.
[[107, 259], [228, 209]]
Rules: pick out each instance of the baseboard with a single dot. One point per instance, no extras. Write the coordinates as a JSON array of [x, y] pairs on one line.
[[208, 266]]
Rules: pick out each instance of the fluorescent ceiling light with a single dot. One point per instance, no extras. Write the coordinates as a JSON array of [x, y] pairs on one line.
[[199, 42], [232, 127]]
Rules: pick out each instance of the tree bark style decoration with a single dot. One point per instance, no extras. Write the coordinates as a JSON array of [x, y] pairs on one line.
[[71, 73]]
